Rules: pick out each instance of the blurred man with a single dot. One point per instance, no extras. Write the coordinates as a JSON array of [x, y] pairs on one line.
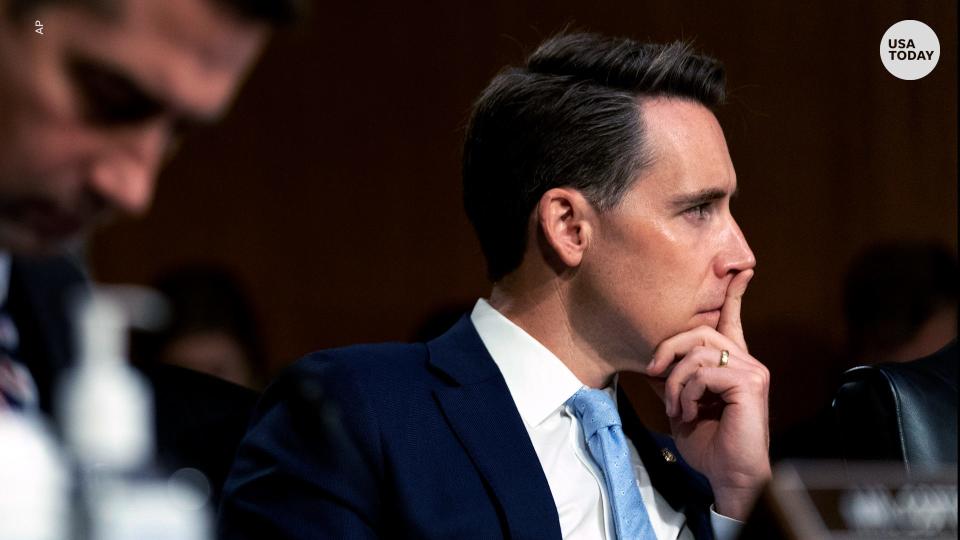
[[599, 184], [93, 105], [900, 302], [213, 327], [93, 97]]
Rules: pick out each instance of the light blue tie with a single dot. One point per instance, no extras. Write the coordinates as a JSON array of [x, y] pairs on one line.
[[608, 446]]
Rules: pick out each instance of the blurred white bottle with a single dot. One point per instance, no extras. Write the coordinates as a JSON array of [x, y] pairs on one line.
[[34, 481], [106, 415]]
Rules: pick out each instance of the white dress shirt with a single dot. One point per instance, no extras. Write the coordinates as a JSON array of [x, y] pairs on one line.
[[540, 384]]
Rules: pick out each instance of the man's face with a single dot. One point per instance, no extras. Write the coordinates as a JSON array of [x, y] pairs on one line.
[[660, 262], [89, 109]]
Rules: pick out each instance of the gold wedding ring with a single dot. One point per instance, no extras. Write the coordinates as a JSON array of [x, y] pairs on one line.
[[724, 358]]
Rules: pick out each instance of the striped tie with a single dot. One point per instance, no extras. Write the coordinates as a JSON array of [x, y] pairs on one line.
[[17, 389]]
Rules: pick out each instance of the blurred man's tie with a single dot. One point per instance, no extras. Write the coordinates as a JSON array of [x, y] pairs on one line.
[[17, 389]]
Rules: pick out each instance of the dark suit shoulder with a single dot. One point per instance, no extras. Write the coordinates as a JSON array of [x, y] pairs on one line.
[[311, 464], [378, 374], [367, 361]]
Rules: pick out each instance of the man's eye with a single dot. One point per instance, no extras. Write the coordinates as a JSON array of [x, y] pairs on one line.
[[699, 212], [109, 98]]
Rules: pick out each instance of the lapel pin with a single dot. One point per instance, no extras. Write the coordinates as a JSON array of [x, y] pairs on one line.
[[668, 455]]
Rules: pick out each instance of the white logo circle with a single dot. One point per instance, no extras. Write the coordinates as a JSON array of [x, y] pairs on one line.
[[909, 50]]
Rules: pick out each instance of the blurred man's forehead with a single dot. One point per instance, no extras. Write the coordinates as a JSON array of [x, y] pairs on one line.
[[207, 27], [190, 54]]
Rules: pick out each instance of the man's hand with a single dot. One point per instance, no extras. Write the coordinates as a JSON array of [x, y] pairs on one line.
[[718, 415]]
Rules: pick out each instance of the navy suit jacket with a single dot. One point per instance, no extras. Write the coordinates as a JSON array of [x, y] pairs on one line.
[[410, 440], [37, 298]]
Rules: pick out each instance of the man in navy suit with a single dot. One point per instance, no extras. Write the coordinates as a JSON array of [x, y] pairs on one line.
[[598, 182]]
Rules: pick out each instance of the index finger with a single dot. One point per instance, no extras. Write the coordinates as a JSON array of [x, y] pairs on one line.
[[730, 324]]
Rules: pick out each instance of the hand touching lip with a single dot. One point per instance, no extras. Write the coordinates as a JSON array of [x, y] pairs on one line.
[[718, 409]]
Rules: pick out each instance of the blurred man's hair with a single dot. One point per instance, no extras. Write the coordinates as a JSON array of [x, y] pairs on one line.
[[569, 117], [274, 12]]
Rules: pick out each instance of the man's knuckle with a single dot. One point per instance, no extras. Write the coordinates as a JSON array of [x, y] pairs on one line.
[[756, 379], [763, 374]]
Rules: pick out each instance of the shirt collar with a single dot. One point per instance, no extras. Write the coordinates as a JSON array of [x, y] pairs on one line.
[[538, 381]]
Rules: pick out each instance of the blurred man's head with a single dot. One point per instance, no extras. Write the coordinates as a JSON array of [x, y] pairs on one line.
[[900, 301], [90, 108], [212, 327]]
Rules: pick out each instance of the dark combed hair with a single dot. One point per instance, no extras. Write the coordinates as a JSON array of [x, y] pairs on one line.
[[568, 117]]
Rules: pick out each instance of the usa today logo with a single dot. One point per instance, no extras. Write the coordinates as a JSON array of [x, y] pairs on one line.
[[909, 50]]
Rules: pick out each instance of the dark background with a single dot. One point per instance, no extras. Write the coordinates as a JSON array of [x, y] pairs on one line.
[[333, 190]]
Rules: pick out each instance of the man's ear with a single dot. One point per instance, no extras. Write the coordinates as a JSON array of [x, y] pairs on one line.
[[565, 219]]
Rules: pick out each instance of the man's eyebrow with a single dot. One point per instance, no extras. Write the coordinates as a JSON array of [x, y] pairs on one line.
[[704, 196], [113, 97]]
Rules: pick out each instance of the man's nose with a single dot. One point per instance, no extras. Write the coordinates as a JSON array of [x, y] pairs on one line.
[[736, 255], [124, 174]]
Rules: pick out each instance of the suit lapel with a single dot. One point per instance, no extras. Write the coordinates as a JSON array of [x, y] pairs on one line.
[[37, 302], [482, 414], [684, 488], [480, 411]]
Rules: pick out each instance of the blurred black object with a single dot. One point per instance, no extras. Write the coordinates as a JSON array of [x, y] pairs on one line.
[[200, 421], [906, 412]]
